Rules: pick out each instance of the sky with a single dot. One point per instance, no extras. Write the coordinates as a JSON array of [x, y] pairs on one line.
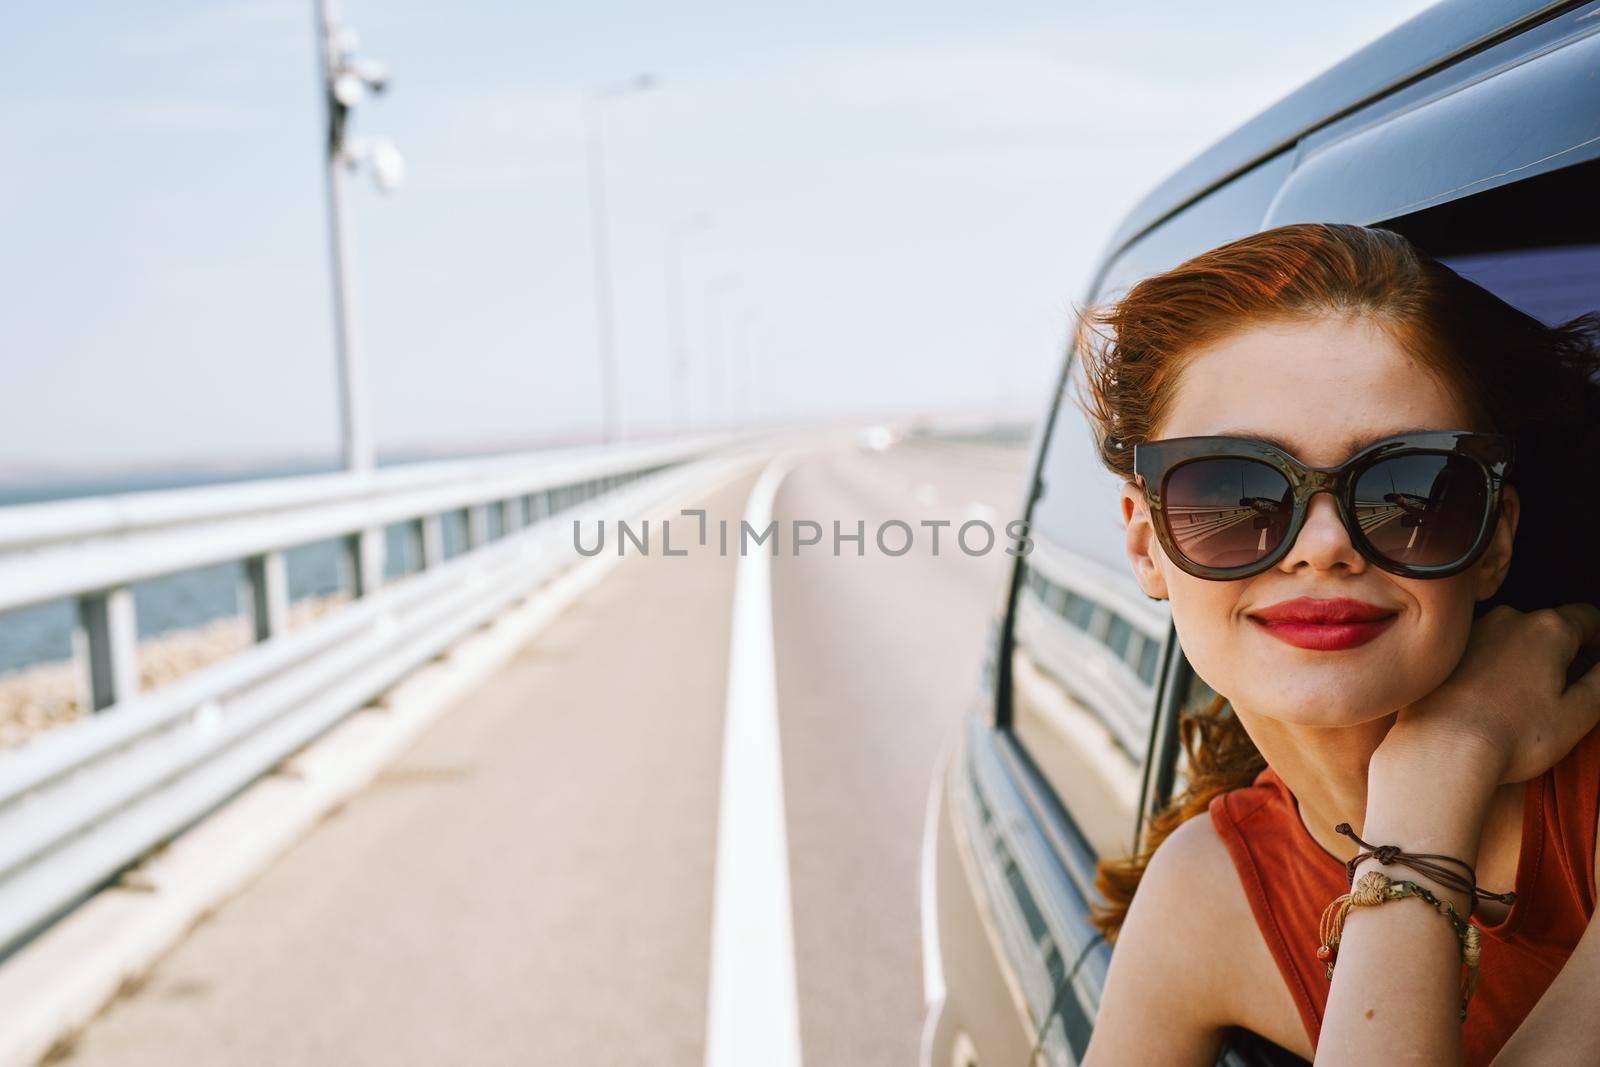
[[898, 204]]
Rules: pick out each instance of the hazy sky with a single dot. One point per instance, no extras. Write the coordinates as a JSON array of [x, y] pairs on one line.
[[904, 199]]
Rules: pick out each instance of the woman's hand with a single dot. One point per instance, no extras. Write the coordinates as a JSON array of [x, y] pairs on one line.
[[1508, 709]]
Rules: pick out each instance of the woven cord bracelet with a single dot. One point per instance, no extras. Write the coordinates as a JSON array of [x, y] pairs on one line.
[[1428, 864], [1376, 888]]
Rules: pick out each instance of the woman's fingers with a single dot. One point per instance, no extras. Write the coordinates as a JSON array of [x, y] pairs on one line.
[[1584, 630], [1583, 691]]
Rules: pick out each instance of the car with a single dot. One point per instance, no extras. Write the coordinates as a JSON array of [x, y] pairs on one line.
[[1474, 130]]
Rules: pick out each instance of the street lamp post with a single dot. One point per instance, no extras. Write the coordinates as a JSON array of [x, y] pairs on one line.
[[599, 226], [681, 231], [717, 323], [345, 81], [747, 356]]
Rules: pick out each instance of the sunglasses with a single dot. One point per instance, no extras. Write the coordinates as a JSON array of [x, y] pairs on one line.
[[1418, 505]]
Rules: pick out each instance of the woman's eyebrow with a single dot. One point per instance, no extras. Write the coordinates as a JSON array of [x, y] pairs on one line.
[[1351, 446]]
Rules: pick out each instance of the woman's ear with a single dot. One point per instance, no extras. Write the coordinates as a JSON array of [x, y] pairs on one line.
[[1496, 561], [1141, 542]]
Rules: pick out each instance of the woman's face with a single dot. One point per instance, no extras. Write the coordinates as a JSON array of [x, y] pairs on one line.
[[1323, 387]]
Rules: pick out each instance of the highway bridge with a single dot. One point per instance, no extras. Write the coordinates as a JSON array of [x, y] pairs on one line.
[[527, 804]]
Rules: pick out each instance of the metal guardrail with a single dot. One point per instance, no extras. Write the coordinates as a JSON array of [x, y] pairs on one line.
[[83, 801], [93, 550]]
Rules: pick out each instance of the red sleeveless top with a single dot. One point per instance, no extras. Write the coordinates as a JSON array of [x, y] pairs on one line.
[[1289, 879]]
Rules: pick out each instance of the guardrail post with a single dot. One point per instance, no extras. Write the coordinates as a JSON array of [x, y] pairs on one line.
[[477, 526], [107, 637], [267, 585], [365, 549], [511, 515], [430, 534]]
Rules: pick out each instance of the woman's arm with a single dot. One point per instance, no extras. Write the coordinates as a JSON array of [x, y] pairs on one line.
[[1505, 715], [1396, 994], [1562, 1028], [1188, 964]]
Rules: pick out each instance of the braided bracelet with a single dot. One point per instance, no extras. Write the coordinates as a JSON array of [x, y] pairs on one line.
[[1424, 863], [1376, 888]]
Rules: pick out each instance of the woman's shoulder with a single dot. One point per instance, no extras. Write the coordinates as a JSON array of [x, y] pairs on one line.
[[1195, 927], [1191, 884], [1169, 949], [1194, 849]]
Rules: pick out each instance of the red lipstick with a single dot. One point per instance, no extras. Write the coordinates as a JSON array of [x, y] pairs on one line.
[[1324, 625]]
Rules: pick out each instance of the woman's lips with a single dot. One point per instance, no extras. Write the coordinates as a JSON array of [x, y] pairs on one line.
[[1324, 625]]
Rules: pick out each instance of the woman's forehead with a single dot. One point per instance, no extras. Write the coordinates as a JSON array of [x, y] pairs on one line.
[[1320, 389]]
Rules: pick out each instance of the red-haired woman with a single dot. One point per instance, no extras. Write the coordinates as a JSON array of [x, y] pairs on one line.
[[1330, 443]]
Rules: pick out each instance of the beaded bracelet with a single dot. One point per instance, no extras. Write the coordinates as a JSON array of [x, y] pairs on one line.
[[1376, 888]]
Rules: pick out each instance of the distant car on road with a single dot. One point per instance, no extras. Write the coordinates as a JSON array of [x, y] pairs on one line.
[[1473, 129]]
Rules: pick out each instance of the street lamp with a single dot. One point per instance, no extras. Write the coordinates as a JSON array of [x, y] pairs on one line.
[[346, 81], [605, 324], [683, 229]]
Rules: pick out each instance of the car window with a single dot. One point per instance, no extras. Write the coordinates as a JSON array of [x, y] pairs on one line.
[[1536, 244], [1551, 284], [1087, 645], [1191, 694]]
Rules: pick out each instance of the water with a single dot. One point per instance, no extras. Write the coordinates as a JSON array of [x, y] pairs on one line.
[[43, 633]]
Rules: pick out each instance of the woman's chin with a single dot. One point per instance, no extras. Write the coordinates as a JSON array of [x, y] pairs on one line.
[[1330, 689], [1323, 716], [1316, 699], [1333, 689]]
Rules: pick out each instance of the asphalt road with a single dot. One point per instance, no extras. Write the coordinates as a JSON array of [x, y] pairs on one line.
[[533, 881]]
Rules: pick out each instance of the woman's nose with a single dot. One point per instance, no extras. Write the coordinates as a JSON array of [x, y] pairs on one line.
[[1323, 543]]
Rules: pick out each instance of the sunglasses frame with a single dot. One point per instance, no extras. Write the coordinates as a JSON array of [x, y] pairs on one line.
[[1154, 462]]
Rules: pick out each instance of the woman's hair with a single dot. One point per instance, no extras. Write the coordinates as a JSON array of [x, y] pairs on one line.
[[1513, 374]]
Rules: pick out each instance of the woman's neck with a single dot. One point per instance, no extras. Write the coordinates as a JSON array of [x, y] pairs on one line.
[[1326, 770], [1325, 767]]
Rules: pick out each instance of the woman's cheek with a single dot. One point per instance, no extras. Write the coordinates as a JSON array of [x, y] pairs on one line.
[[1209, 647], [1440, 628]]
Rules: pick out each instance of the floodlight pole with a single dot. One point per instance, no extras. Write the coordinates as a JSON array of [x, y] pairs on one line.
[[354, 418], [345, 80]]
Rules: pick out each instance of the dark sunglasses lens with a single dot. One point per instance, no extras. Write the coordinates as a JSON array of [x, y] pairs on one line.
[[1423, 510], [1227, 512]]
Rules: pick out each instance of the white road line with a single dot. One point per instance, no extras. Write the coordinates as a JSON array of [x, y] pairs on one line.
[[753, 1011], [928, 888]]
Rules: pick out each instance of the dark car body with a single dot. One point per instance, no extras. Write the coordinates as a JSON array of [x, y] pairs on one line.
[[1474, 129]]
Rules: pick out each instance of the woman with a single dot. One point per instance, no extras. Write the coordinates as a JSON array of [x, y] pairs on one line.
[[1337, 623]]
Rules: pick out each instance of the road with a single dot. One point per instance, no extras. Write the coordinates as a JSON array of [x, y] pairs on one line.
[[532, 882]]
